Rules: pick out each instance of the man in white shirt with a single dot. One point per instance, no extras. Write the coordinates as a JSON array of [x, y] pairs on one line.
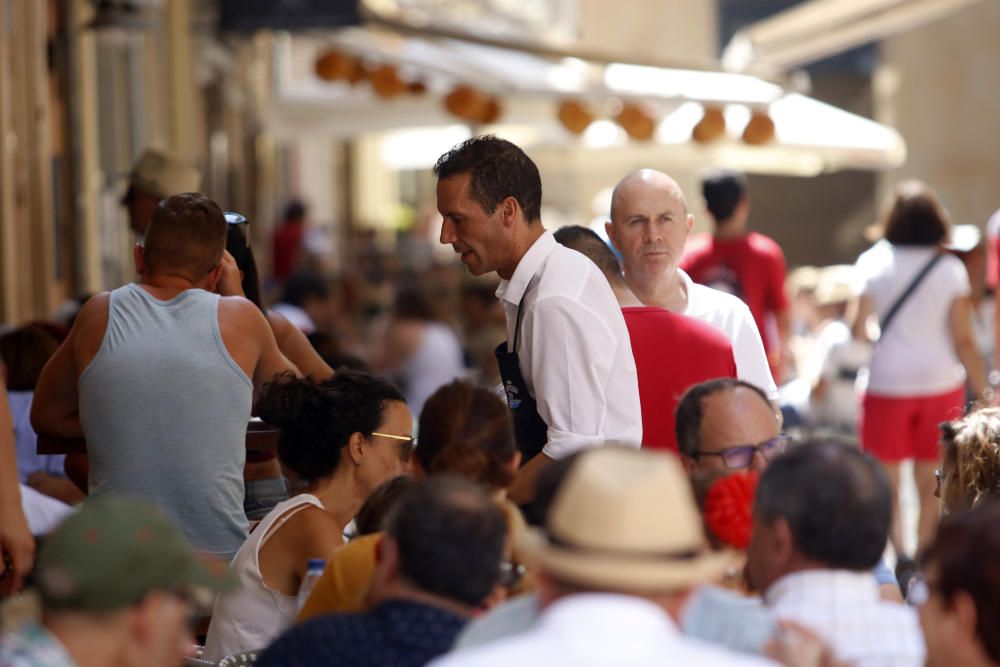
[[567, 365], [821, 522], [649, 225], [612, 590]]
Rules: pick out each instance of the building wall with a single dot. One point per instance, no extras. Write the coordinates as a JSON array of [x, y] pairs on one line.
[[943, 95]]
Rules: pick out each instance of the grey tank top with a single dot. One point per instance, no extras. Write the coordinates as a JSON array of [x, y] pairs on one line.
[[164, 409]]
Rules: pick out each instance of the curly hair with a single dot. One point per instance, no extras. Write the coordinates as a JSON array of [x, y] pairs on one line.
[[467, 431], [972, 451], [317, 419]]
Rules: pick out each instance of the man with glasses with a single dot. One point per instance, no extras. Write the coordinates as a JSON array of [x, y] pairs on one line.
[[727, 424]]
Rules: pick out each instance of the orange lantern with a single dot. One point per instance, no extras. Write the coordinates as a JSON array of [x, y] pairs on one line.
[[637, 122], [417, 87], [711, 126], [760, 129], [335, 66], [575, 116], [491, 111], [467, 103], [386, 82]]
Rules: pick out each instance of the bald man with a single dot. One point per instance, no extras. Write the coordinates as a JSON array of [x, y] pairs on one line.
[[649, 225]]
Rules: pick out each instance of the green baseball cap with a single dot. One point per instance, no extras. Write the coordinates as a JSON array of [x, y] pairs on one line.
[[113, 552]]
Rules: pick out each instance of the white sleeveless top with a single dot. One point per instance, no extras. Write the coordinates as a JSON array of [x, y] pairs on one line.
[[250, 616]]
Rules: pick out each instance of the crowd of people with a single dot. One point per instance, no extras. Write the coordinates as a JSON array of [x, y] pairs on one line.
[[630, 452]]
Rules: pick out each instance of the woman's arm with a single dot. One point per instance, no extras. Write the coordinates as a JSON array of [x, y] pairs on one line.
[[859, 309], [964, 340], [294, 345]]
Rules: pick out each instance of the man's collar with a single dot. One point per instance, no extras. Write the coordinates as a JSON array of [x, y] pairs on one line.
[[861, 586], [513, 290]]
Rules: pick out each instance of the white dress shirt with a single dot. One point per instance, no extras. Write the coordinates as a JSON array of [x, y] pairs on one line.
[[731, 316], [574, 349], [844, 609], [600, 630]]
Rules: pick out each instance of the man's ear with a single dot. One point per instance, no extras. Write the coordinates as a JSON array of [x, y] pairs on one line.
[[214, 277], [609, 229], [690, 465], [782, 543], [688, 223], [509, 209]]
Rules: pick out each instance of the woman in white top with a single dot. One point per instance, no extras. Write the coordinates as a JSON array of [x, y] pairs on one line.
[[920, 364], [342, 438]]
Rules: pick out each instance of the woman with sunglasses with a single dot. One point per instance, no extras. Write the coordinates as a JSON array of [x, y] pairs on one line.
[[340, 439], [465, 431]]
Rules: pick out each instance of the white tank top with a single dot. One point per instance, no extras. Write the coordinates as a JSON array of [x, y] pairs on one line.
[[252, 615]]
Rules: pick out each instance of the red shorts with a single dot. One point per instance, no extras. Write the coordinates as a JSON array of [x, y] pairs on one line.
[[895, 428]]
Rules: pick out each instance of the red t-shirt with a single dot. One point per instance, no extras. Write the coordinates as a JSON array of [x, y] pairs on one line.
[[672, 352], [751, 267], [286, 246]]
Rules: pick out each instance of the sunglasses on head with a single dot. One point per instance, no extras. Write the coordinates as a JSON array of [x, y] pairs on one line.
[[236, 220]]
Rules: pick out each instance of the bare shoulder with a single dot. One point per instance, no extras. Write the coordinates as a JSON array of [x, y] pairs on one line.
[[240, 310], [314, 529]]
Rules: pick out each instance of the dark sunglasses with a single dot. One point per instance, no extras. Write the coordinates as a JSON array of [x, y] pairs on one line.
[[511, 574], [741, 456]]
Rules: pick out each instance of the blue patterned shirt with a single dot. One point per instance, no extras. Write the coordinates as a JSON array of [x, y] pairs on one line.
[[31, 645], [397, 632]]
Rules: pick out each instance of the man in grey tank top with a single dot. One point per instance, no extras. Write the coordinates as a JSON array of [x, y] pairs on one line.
[[159, 377]]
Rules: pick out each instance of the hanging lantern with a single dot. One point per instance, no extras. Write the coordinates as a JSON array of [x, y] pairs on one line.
[[760, 129], [416, 87], [711, 126], [491, 112], [575, 116], [637, 122], [386, 82], [467, 103], [335, 66]]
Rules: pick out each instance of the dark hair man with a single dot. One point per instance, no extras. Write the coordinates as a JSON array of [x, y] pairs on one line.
[[116, 582], [727, 424], [439, 559], [960, 596], [649, 225], [159, 376], [821, 521], [672, 352], [567, 364], [746, 264]]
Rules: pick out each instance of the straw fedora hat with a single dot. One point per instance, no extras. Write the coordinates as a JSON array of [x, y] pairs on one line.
[[625, 519], [163, 174]]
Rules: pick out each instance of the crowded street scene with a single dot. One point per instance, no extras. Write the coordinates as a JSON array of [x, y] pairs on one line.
[[491, 333]]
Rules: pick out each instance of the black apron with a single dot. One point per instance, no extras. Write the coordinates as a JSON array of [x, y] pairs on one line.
[[529, 429]]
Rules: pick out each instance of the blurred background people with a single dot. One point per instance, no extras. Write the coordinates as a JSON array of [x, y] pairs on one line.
[[743, 263], [156, 175], [926, 349], [418, 349]]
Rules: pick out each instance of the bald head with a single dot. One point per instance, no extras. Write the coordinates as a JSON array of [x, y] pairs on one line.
[[644, 181]]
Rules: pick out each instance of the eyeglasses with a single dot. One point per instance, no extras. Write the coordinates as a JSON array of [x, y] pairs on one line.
[[406, 450], [919, 591], [741, 456], [511, 574]]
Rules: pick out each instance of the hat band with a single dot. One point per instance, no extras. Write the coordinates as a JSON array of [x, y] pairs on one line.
[[688, 554]]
